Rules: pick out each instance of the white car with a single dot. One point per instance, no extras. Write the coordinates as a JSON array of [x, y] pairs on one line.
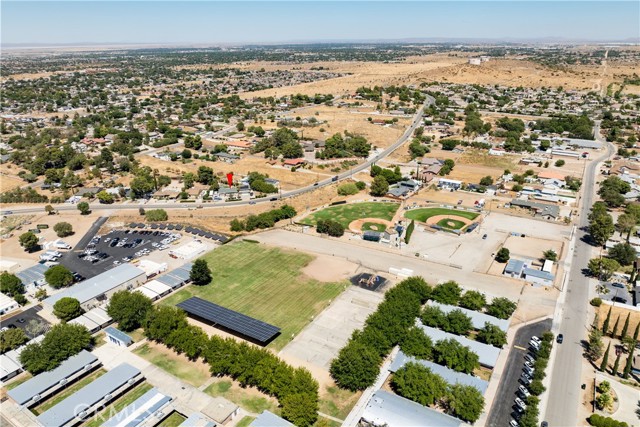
[[513, 423], [529, 371], [529, 364], [523, 390], [529, 358], [535, 338], [520, 403]]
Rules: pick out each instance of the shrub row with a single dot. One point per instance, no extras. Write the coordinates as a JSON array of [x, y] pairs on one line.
[[599, 421], [450, 293], [456, 322], [295, 388], [409, 232], [330, 227], [263, 220], [530, 416]]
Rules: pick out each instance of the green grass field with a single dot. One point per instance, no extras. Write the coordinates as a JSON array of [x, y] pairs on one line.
[[173, 420], [373, 226], [118, 405], [237, 395], [60, 396], [452, 224], [170, 362], [424, 214], [245, 421], [347, 213], [265, 283]]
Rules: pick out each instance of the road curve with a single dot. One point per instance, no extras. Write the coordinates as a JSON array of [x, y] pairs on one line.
[[417, 120]]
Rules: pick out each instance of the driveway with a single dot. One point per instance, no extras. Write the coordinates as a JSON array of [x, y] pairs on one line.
[[500, 412], [621, 294]]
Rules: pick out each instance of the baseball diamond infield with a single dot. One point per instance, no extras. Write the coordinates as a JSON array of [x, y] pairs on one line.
[[357, 225]]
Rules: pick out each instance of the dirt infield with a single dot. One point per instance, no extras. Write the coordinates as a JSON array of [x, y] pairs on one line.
[[356, 226], [434, 220]]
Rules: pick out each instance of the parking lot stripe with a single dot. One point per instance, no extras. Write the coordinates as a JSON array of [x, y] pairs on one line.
[[519, 348]]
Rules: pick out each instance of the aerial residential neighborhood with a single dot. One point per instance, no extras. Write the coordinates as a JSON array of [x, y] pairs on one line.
[[358, 214]]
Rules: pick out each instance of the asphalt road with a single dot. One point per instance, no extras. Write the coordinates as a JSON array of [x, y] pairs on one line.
[[502, 409], [564, 389], [417, 120]]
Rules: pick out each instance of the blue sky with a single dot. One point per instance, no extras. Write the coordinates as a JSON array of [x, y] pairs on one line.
[[56, 22]]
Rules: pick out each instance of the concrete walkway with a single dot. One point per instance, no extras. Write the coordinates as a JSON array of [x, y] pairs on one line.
[[628, 398]]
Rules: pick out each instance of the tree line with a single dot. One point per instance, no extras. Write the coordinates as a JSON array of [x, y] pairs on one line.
[[263, 220]]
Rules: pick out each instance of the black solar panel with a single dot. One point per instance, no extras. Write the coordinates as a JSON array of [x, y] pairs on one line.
[[249, 327], [178, 227]]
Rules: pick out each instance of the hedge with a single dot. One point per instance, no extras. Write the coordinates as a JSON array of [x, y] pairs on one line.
[[600, 421]]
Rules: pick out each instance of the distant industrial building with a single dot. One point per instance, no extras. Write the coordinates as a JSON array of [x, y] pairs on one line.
[[97, 290]]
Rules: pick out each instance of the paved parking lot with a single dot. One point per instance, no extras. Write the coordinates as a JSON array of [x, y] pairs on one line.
[[22, 319], [615, 293], [108, 253], [503, 404]]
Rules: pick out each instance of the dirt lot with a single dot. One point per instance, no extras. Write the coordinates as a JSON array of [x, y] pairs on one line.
[[616, 311]]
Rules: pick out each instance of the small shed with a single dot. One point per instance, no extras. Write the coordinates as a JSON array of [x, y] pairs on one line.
[[118, 337], [372, 236]]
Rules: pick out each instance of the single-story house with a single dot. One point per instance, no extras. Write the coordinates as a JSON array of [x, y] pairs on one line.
[[294, 162], [538, 277], [450, 184], [542, 210]]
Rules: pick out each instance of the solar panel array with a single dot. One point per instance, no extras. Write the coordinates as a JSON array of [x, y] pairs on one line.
[[232, 320]]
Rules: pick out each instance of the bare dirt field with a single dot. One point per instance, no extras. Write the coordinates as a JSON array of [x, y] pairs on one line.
[[618, 311], [326, 268]]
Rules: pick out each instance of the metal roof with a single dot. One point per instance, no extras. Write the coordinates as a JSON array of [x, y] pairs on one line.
[[118, 334], [99, 316], [514, 266], [8, 366], [197, 420], [391, 410], [140, 410], [88, 396], [228, 319], [477, 319], [269, 419], [98, 285], [538, 273], [39, 384], [32, 274], [177, 277], [487, 354], [86, 322], [540, 208], [449, 375]]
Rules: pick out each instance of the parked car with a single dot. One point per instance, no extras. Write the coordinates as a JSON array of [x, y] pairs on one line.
[[526, 379], [560, 338], [619, 299], [484, 237], [520, 403], [513, 423], [618, 285], [524, 391], [528, 370], [529, 358], [528, 364], [535, 338]]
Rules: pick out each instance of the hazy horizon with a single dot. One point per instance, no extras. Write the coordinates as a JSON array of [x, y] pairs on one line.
[[86, 23]]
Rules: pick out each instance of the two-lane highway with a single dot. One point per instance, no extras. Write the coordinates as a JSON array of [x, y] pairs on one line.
[[564, 387], [417, 120]]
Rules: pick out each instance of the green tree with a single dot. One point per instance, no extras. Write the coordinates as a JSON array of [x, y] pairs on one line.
[[10, 284], [503, 255], [625, 328], [162, 320], [447, 293], [129, 309], [624, 253], [626, 223], [455, 356], [605, 325], [11, 338], [67, 308], [84, 208], [41, 294], [550, 255], [416, 343], [605, 359], [379, 186], [458, 323], [300, 408], [61, 342], [502, 308], [63, 229], [58, 276], [560, 163], [616, 365], [486, 181], [236, 225], [347, 189], [105, 198], [536, 387], [200, 273], [29, 241], [154, 215], [603, 268], [601, 228], [614, 331], [594, 350], [629, 364], [473, 300], [356, 367], [50, 210], [417, 383], [492, 335], [465, 402]]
